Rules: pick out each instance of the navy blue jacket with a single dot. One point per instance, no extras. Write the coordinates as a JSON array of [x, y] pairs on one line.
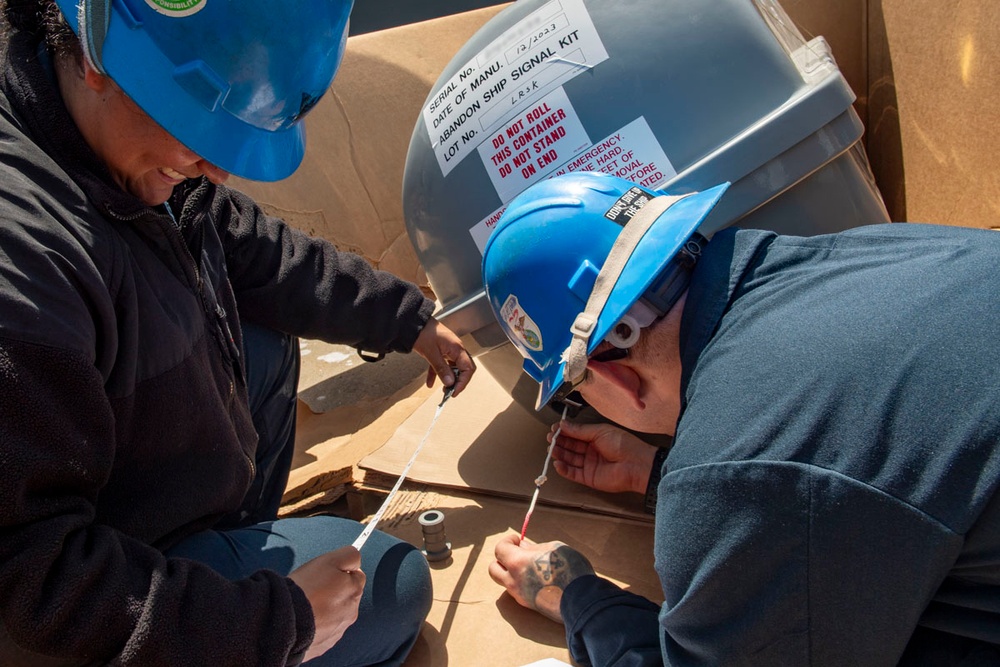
[[832, 487]]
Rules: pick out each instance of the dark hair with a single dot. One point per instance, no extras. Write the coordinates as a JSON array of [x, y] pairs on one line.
[[44, 20]]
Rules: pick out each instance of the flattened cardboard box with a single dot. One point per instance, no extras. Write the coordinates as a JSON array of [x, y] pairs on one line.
[[483, 441], [473, 621]]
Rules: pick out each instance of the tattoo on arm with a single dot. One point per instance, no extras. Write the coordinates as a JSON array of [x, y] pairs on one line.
[[557, 568]]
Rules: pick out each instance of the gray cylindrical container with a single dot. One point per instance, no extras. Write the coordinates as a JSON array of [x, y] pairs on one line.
[[678, 95]]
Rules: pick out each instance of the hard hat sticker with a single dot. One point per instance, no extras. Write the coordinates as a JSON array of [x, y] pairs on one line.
[[520, 324], [177, 8], [627, 206]]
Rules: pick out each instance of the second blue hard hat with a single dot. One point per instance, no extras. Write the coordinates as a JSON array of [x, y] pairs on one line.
[[229, 79]]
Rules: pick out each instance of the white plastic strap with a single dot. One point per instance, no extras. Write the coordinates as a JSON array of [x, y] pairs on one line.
[[94, 17], [575, 355]]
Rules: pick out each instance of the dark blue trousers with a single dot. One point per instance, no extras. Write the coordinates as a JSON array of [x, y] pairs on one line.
[[397, 592]]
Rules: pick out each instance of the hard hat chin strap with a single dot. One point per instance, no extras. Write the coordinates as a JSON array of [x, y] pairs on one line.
[[575, 355], [94, 17]]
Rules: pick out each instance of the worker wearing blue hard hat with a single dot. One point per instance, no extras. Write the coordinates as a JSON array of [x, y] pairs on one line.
[[149, 359], [830, 496]]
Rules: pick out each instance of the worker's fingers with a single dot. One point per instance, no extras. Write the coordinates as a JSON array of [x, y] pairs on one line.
[[515, 553], [563, 431], [506, 546], [572, 452], [439, 367], [431, 376], [579, 431], [444, 351], [499, 573], [572, 473], [346, 558], [461, 361]]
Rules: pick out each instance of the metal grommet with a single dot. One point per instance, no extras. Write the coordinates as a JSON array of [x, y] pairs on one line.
[[625, 333], [436, 546]]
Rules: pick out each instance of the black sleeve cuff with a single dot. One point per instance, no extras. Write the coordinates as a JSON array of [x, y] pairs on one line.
[[652, 487]]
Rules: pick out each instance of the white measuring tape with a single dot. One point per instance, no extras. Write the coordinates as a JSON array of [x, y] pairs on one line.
[[370, 526]]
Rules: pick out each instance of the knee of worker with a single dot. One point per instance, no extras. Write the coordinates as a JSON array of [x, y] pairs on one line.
[[398, 578]]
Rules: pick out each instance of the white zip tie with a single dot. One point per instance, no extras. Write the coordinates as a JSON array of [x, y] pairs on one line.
[[541, 479]]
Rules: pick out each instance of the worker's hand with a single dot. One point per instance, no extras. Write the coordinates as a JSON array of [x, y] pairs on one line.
[[602, 456], [442, 348], [537, 574], [333, 583]]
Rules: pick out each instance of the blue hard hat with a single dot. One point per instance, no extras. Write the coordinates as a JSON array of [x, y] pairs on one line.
[[542, 260], [229, 79]]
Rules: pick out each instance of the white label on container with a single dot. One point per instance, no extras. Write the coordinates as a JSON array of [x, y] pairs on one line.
[[632, 153], [481, 232], [533, 144], [542, 51]]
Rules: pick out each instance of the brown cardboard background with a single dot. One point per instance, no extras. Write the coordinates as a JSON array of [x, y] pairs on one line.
[[349, 187], [843, 24], [934, 111], [485, 442], [473, 622]]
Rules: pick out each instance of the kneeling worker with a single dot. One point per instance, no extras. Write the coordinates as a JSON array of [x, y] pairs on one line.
[[830, 497]]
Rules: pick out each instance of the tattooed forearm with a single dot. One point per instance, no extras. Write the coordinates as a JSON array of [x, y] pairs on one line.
[[544, 582]]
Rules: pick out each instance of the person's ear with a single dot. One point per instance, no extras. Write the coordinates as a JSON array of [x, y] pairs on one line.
[[621, 379], [94, 79]]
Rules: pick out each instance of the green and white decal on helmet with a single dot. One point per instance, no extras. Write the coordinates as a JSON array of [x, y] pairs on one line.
[[520, 324], [176, 8]]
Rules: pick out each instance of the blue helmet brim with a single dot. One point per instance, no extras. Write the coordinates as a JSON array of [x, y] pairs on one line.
[[259, 155]]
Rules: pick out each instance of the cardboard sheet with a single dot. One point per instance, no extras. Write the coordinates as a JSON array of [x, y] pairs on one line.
[[472, 620], [334, 376], [348, 187], [933, 112], [347, 408], [329, 445], [486, 442]]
